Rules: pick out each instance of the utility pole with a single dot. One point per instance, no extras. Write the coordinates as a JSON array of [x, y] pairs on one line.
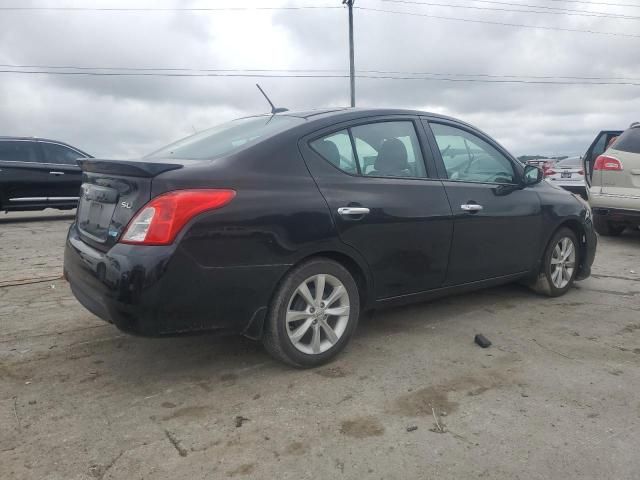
[[352, 73]]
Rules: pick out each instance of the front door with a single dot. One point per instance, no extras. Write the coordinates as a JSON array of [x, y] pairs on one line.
[[374, 178], [496, 222]]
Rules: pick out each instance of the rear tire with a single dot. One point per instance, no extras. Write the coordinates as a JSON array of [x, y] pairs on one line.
[[606, 228], [307, 327], [559, 264]]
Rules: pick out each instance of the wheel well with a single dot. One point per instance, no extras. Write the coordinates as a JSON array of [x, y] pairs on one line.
[[351, 265]]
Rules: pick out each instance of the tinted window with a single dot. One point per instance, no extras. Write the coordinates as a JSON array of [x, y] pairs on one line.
[[599, 147], [389, 149], [227, 138], [629, 141], [468, 158], [336, 149], [54, 153], [16, 151]]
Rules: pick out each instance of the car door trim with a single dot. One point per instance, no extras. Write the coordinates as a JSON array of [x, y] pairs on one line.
[[43, 199]]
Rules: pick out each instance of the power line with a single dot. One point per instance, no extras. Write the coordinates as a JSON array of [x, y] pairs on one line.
[[505, 24], [544, 7], [160, 70], [318, 76], [163, 9], [584, 2], [575, 13]]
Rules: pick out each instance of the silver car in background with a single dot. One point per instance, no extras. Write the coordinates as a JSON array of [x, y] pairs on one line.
[[568, 174]]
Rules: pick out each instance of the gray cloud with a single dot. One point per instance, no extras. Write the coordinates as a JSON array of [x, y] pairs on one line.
[[128, 116]]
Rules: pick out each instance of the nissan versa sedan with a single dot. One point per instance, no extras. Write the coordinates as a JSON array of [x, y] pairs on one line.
[[285, 227]]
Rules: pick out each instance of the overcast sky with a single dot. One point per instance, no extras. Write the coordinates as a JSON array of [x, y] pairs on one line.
[[129, 116]]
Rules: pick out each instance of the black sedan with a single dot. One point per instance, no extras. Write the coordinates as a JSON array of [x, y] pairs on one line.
[[284, 228]]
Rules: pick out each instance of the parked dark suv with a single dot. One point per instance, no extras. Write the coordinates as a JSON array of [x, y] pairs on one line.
[[284, 228], [36, 173]]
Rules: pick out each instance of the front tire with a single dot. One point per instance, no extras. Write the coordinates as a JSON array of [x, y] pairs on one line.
[[313, 314], [559, 264]]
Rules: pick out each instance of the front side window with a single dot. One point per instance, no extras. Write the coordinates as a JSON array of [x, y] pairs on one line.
[[54, 153], [18, 151], [468, 158]]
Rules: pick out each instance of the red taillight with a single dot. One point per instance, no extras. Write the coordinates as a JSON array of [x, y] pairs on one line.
[[604, 162], [160, 220], [580, 172], [549, 172]]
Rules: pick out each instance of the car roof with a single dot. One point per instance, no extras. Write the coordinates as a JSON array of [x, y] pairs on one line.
[[339, 112], [35, 139]]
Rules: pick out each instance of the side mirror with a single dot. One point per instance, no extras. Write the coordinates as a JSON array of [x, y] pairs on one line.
[[532, 175]]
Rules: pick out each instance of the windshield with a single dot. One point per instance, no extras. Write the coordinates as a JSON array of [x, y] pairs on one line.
[[570, 162], [226, 138]]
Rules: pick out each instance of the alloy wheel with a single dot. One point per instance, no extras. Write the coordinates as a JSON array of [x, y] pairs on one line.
[[563, 262], [317, 314]]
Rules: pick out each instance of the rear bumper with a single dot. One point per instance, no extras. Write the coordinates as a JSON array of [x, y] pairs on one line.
[[619, 215], [613, 201], [161, 290]]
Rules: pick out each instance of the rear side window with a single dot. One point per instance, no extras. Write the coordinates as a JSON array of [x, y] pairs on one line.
[[227, 138], [54, 153], [18, 151], [629, 141], [382, 149], [336, 149]]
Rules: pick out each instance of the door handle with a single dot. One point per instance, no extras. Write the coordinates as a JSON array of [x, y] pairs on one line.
[[56, 173], [471, 207], [352, 211]]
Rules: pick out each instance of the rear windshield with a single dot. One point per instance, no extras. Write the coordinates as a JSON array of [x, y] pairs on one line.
[[226, 138], [629, 141], [570, 162]]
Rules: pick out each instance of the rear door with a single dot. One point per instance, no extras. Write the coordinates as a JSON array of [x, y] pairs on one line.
[[384, 203], [65, 174], [496, 223], [23, 179]]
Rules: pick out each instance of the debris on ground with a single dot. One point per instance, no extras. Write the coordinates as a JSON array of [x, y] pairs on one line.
[[412, 428], [438, 427], [240, 420], [481, 340]]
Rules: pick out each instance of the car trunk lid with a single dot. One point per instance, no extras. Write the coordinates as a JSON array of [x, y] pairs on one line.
[[112, 192]]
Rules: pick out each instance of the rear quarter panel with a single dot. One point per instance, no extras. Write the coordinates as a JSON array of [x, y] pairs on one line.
[[278, 215]]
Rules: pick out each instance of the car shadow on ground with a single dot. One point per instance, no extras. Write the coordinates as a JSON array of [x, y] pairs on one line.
[[207, 358]]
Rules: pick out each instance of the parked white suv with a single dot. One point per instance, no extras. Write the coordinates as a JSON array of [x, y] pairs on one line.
[[614, 193]]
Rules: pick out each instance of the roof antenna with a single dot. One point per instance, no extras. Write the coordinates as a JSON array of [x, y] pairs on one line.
[[274, 110]]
